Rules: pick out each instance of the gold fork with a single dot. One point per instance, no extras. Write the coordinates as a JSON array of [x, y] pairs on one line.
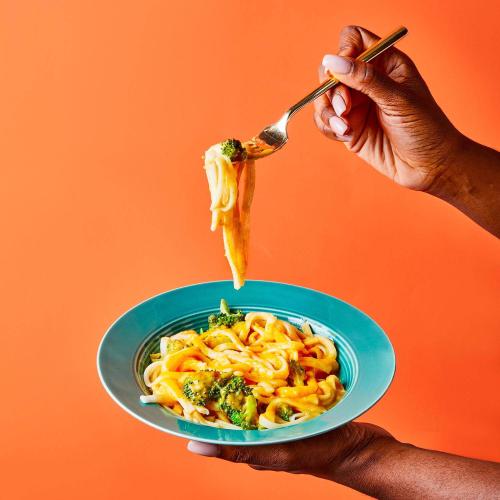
[[275, 136]]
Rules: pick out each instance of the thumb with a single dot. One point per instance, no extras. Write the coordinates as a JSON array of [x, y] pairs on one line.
[[363, 77]]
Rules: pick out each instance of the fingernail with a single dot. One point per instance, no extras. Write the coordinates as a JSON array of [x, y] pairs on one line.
[[338, 105], [337, 125], [205, 449], [336, 64]]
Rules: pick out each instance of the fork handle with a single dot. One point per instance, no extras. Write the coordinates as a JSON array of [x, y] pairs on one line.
[[368, 55]]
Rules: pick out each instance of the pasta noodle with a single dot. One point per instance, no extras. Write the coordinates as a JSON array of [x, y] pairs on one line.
[[231, 187], [255, 371]]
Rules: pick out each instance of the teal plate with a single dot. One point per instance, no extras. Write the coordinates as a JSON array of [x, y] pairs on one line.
[[365, 354]]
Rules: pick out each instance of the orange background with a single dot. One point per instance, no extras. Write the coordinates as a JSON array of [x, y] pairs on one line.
[[105, 110]]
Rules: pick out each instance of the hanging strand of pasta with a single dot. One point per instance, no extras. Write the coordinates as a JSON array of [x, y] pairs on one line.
[[231, 186]]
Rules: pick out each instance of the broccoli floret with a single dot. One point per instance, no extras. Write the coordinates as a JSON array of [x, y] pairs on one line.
[[238, 402], [234, 150], [285, 412], [250, 413], [228, 384], [297, 373], [235, 384], [241, 413], [199, 386], [225, 317], [232, 394], [214, 391], [246, 418]]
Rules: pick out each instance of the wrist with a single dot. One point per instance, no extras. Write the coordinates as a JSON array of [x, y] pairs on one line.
[[470, 183], [365, 467], [452, 181]]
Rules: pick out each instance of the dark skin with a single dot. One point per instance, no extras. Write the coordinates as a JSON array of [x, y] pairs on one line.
[[368, 459], [385, 113]]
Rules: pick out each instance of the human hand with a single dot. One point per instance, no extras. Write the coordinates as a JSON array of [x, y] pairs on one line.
[[327, 455], [384, 112], [368, 459]]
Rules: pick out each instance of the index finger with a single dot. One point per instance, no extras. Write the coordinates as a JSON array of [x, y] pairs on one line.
[[276, 457], [354, 40], [323, 104]]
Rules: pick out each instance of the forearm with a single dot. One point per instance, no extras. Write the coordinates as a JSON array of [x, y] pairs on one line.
[[471, 183], [388, 469]]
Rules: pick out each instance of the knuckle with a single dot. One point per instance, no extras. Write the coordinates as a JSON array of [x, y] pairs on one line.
[[408, 66], [240, 455], [326, 114], [406, 62], [403, 70], [344, 46], [286, 458], [349, 30], [365, 74], [350, 38], [343, 92], [339, 90], [318, 121], [320, 125]]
